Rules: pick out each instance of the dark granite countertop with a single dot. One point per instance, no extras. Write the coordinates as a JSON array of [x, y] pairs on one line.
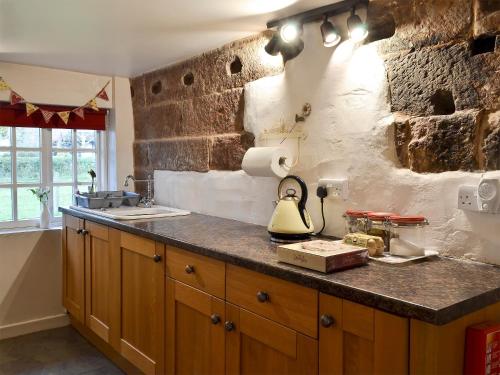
[[435, 291]]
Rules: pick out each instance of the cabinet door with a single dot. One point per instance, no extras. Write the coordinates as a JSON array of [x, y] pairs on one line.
[[138, 305], [98, 277], [256, 345], [355, 339], [195, 331], [73, 247]]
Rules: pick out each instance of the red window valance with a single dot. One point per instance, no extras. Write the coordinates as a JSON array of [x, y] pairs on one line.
[[15, 115]]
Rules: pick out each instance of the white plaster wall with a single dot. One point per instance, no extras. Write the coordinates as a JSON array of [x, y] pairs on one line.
[[53, 86], [30, 263], [30, 282], [120, 134], [348, 135]]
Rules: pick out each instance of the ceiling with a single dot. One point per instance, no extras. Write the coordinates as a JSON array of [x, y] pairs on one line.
[[128, 37]]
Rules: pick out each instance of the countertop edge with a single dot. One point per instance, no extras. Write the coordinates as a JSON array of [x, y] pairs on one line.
[[370, 299]]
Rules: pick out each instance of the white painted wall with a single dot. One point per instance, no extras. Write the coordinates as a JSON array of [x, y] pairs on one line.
[[348, 135], [30, 263], [53, 86], [120, 134], [30, 282]]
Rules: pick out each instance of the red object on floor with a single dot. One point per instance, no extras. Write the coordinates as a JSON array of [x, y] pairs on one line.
[[482, 349]]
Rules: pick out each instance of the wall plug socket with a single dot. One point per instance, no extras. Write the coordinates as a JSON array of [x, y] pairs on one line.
[[338, 187], [467, 198]]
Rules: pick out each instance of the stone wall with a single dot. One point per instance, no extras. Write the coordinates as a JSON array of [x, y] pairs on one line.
[[441, 58], [442, 65], [189, 116]]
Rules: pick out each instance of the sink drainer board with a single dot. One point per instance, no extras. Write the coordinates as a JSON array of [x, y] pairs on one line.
[[107, 199], [134, 213]]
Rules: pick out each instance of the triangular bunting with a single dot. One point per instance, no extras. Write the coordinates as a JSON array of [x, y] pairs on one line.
[[30, 108], [64, 116], [93, 104], [103, 95], [15, 98], [80, 112], [47, 115], [3, 85]]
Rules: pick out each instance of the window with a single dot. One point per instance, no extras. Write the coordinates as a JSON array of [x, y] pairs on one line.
[[58, 159]]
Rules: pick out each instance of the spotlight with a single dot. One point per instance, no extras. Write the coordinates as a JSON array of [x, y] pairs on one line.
[[274, 45], [292, 50], [289, 32], [329, 33], [357, 28]]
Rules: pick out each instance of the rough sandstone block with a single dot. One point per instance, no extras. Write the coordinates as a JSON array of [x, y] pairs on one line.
[[440, 143], [226, 152], [219, 113], [418, 23], [486, 17], [142, 157], [218, 70], [491, 142], [181, 154], [434, 80], [137, 91]]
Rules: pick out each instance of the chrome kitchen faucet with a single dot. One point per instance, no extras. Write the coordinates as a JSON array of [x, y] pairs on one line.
[[148, 200]]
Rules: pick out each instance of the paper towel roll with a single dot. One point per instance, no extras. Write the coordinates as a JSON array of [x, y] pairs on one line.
[[267, 161]]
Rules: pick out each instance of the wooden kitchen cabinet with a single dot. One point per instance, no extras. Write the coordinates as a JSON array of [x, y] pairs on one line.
[[138, 301], [195, 335], [355, 339], [98, 279], [73, 255], [209, 317], [256, 345]]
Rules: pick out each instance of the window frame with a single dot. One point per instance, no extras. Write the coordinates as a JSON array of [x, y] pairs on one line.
[[46, 171]]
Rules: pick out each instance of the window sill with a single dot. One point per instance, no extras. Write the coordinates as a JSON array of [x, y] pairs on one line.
[[29, 229]]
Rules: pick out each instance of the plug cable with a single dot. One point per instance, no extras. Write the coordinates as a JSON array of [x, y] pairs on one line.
[[321, 192]]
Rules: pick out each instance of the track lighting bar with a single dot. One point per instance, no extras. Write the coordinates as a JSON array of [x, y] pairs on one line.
[[318, 14]]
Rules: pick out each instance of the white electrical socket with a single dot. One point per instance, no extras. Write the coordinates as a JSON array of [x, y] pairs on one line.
[[467, 198], [338, 187]]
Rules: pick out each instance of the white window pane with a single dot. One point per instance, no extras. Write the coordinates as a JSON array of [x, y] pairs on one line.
[[86, 139], [5, 134], [63, 197], [62, 138], [28, 205], [62, 166], [83, 188], [28, 166], [5, 204], [5, 168], [85, 162], [28, 137]]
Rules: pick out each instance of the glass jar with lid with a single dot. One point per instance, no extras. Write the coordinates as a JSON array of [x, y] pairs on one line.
[[378, 225], [408, 235], [356, 221]]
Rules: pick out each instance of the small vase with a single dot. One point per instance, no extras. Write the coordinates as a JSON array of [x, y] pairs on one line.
[[44, 217]]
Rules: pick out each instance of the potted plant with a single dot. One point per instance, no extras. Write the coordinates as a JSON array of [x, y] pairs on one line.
[[93, 176], [43, 196]]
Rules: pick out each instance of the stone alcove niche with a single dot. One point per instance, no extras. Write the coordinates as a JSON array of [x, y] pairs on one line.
[[482, 45], [156, 87], [443, 102], [235, 66], [188, 79]]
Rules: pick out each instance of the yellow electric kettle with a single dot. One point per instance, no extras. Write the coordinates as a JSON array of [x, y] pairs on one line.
[[290, 221]]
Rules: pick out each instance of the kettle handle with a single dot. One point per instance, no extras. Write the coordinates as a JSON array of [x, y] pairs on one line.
[[303, 196]]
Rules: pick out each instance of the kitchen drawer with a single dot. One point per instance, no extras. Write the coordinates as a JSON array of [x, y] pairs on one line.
[[206, 274], [287, 303]]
